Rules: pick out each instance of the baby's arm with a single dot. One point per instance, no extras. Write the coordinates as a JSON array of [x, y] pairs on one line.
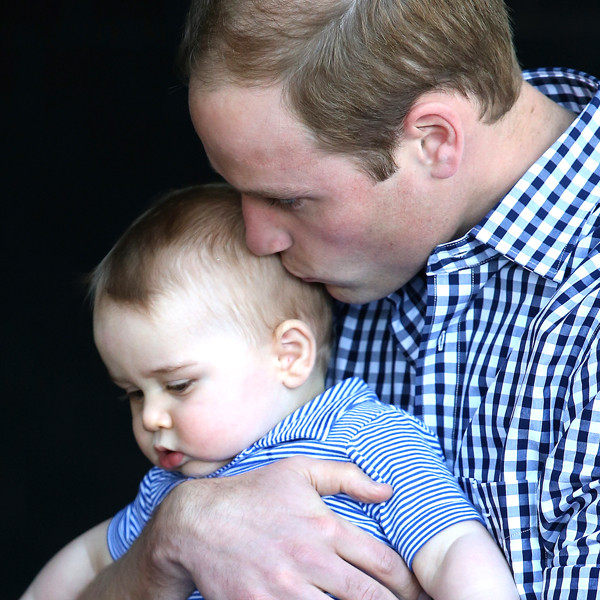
[[463, 561], [67, 574]]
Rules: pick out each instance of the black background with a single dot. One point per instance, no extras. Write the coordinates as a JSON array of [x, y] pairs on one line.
[[94, 126]]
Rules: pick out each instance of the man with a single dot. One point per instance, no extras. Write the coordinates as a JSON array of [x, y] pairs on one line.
[[393, 151]]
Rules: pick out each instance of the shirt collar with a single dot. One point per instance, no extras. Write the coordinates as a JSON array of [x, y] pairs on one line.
[[314, 420]]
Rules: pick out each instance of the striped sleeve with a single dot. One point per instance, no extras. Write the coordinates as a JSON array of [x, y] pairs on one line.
[[398, 449], [128, 523]]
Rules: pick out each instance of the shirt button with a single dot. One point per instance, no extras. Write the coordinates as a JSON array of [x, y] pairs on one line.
[[441, 340]]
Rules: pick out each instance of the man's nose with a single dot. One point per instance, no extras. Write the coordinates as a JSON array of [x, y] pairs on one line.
[[155, 414], [265, 233]]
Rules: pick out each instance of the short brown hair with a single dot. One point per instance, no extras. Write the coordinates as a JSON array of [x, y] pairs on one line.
[[193, 239], [352, 69]]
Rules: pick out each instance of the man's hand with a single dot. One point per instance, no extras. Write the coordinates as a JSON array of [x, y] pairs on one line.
[[266, 534]]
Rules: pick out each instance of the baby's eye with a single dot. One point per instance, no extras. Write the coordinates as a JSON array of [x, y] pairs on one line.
[[179, 387], [134, 395]]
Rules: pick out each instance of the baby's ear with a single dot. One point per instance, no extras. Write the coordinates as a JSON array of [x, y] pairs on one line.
[[295, 347]]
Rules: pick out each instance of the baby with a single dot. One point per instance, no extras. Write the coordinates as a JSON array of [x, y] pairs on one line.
[[223, 356]]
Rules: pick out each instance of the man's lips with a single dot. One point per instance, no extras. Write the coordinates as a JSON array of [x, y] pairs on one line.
[[290, 268], [304, 278], [169, 459]]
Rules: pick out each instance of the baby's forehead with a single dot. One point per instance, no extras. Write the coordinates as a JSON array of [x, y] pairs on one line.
[[210, 281], [106, 307], [161, 312]]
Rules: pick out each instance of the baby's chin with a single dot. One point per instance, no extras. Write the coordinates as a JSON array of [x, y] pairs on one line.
[[200, 468]]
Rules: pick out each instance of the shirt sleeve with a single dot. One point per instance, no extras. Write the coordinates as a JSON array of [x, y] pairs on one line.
[[128, 523], [398, 449], [569, 506]]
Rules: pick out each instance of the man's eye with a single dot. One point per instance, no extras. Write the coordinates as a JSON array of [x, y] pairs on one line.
[[134, 395], [179, 387], [283, 202]]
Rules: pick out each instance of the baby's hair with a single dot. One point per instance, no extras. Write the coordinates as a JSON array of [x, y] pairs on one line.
[[192, 241]]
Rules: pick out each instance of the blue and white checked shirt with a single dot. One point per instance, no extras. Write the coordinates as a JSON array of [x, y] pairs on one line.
[[495, 347], [346, 423]]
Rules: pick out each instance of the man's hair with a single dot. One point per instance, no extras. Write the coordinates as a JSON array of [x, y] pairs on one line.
[[352, 69], [192, 241]]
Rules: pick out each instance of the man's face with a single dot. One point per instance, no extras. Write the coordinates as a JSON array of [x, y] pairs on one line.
[[328, 220]]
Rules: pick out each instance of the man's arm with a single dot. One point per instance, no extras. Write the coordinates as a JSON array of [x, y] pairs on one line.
[[266, 534]]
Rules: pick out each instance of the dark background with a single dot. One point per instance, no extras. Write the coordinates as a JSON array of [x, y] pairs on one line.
[[94, 126]]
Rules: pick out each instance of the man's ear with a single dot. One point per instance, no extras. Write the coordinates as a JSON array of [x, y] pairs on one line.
[[438, 130], [295, 349]]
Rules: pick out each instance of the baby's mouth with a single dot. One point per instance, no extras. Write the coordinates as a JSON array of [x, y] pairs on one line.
[[169, 459]]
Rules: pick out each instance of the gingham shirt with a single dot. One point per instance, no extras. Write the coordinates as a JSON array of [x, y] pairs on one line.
[[495, 347], [345, 423]]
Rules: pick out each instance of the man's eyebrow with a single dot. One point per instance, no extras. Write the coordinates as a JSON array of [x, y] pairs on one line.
[[273, 193], [283, 192]]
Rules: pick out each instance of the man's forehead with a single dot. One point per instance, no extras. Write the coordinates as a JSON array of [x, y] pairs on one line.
[[232, 94]]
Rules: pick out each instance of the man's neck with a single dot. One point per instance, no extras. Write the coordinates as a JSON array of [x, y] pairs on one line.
[[537, 122], [507, 149]]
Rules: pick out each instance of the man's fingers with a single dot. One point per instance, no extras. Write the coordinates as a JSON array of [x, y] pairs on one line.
[[383, 564], [333, 477], [294, 547], [356, 565]]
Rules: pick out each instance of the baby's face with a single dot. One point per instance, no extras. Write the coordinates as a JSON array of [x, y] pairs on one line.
[[199, 395]]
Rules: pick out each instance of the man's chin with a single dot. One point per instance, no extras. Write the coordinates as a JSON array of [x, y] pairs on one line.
[[353, 295]]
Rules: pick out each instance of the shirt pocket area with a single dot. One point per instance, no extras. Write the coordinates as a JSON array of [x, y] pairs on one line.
[[510, 512]]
